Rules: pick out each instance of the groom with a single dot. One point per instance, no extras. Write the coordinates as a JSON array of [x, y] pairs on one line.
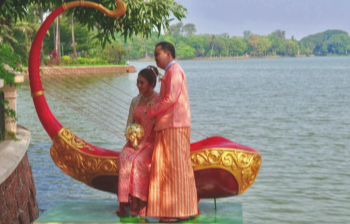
[[172, 190]]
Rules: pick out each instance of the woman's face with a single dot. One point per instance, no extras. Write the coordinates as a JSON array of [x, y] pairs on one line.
[[143, 85]]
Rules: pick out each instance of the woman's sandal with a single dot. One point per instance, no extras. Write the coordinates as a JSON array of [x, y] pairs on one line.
[[142, 212]]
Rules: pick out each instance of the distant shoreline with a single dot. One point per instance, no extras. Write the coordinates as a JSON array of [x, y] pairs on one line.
[[240, 57], [225, 58], [84, 70], [113, 69]]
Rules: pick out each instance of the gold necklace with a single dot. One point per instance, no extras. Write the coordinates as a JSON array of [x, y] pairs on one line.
[[147, 98]]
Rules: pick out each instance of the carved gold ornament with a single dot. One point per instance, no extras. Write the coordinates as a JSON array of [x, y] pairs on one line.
[[243, 165], [67, 153], [119, 11]]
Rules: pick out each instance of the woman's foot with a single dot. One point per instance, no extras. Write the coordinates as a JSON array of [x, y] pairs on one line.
[[121, 210], [143, 209], [134, 207]]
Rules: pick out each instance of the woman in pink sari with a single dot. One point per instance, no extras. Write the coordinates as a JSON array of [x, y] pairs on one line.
[[134, 165]]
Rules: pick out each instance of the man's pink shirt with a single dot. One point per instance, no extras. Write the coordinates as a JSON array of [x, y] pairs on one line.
[[173, 109]]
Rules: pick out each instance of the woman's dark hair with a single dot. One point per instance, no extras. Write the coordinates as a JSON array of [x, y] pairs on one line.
[[150, 74], [166, 46]]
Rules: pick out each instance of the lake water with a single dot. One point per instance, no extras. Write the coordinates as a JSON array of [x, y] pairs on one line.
[[294, 111]]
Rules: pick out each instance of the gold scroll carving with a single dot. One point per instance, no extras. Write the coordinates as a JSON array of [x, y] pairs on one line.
[[67, 154], [119, 11], [243, 165]]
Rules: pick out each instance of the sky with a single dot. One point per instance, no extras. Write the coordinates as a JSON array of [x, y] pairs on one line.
[[298, 18]]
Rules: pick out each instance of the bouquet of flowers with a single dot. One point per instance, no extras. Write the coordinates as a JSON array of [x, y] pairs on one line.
[[133, 133]]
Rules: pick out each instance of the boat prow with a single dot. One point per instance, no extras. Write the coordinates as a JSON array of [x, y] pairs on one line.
[[223, 168]]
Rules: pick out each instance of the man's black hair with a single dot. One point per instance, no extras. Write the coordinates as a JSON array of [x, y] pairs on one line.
[[166, 46]]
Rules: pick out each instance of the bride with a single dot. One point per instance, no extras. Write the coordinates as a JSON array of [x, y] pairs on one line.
[[134, 165]]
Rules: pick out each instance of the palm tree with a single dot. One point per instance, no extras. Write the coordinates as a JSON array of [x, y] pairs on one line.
[[58, 39], [211, 41], [33, 21], [73, 40]]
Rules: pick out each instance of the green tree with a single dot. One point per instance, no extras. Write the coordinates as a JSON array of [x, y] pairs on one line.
[[73, 37], [338, 43], [253, 44], [188, 29], [277, 45], [141, 17], [135, 48], [82, 37], [198, 43], [291, 47], [323, 50], [20, 34], [8, 57], [246, 34], [185, 51], [13, 10], [38, 14], [264, 45], [329, 33], [112, 52], [280, 33], [175, 29], [215, 45], [325, 42], [223, 44], [237, 46]]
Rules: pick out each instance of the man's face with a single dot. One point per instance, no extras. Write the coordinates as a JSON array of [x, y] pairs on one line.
[[161, 57]]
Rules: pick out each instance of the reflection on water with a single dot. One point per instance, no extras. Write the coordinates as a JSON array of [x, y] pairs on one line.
[[295, 112]]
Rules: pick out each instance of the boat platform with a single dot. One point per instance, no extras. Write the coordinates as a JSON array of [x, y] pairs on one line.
[[103, 211]]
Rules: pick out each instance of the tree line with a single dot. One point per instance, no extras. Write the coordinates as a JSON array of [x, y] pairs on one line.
[[74, 37], [189, 44]]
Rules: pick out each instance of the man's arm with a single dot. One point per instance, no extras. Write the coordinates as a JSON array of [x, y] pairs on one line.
[[173, 83]]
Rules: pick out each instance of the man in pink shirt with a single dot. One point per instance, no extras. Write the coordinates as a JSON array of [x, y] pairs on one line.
[[172, 191]]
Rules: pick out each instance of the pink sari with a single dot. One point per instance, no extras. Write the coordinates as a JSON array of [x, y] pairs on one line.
[[134, 165]]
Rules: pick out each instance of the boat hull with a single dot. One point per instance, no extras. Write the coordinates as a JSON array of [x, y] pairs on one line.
[[222, 168]]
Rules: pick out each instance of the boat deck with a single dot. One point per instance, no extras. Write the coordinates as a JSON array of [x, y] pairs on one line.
[[102, 211]]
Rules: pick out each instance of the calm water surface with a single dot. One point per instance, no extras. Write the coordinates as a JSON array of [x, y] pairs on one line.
[[295, 112]]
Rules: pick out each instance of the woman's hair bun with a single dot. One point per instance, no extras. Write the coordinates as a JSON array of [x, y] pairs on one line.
[[153, 69]]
